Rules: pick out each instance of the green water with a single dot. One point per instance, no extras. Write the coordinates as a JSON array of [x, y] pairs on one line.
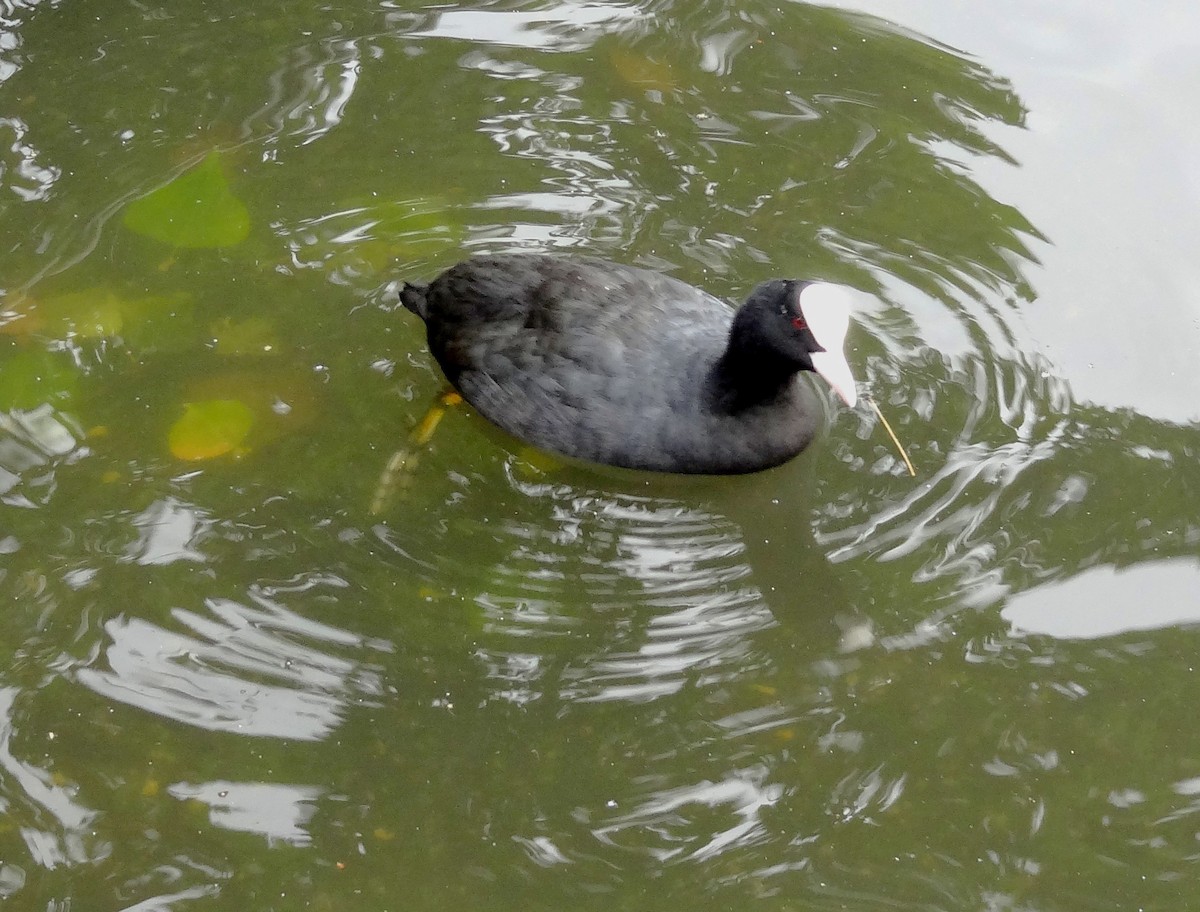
[[227, 683]]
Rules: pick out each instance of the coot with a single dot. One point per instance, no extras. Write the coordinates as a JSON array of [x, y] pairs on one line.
[[628, 367]]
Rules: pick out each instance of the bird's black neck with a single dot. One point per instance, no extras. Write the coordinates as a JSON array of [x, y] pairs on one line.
[[749, 374]]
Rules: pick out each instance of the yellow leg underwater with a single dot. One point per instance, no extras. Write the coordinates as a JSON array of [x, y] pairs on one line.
[[399, 469]]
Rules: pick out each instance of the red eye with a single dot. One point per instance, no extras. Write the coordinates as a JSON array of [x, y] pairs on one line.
[[799, 323]]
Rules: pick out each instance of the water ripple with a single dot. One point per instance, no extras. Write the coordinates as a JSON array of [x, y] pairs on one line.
[[566, 26], [307, 94], [253, 668], [55, 827], [697, 821], [679, 568], [31, 443]]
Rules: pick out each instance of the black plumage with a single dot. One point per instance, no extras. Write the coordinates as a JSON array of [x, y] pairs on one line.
[[625, 366]]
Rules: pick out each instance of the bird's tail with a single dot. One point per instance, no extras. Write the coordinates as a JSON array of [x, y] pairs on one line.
[[412, 296]]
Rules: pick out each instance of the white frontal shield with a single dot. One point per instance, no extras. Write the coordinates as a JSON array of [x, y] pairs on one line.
[[826, 309]]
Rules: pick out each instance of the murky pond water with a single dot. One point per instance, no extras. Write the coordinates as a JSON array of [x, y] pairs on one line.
[[227, 683]]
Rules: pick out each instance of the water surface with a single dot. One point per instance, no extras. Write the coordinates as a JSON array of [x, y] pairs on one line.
[[518, 684]]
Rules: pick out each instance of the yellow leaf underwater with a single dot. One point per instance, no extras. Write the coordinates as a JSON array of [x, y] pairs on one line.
[[94, 313], [210, 429], [641, 71]]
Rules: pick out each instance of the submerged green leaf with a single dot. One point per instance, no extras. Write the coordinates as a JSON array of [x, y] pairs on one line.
[[33, 377], [93, 313], [159, 323], [196, 209], [252, 336]]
